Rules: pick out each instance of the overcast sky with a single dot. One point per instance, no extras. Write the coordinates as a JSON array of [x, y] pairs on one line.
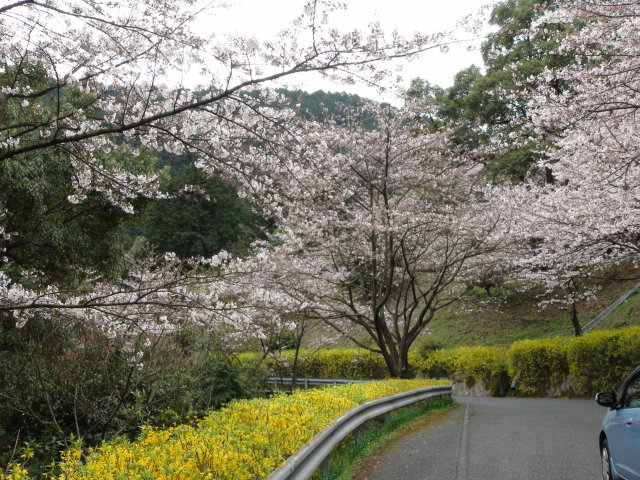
[[262, 18]]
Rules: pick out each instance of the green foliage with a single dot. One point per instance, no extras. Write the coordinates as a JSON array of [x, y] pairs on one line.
[[508, 46], [480, 363], [220, 383], [548, 367], [49, 234], [201, 223], [320, 105], [439, 363], [466, 364], [560, 366], [336, 363], [428, 346], [60, 380], [538, 367], [581, 366], [481, 107], [599, 361]]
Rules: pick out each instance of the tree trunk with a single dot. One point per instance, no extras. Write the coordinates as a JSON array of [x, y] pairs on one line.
[[294, 369], [392, 363], [573, 316], [398, 365]]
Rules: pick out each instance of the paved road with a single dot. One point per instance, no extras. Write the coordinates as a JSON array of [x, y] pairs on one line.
[[496, 438]]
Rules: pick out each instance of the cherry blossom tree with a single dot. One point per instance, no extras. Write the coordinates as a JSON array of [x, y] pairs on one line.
[[84, 79], [595, 160], [155, 295], [375, 228], [588, 219], [118, 53]]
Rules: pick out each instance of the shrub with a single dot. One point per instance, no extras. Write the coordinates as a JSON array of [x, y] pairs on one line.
[[480, 363], [440, 363], [582, 366], [469, 365], [599, 361], [247, 439], [61, 379], [220, 383], [560, 366], [335, 363], [539, 367]]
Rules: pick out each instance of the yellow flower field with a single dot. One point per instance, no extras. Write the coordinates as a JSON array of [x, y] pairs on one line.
[[248, 439]]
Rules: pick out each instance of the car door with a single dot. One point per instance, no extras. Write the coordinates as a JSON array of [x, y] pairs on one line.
[[625, 435]]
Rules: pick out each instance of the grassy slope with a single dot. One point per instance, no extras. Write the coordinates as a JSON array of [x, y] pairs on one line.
[[504, 318], [479, 320]]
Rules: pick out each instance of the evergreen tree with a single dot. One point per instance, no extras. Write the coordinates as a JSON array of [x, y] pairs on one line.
[[202, 216], [488, 110]]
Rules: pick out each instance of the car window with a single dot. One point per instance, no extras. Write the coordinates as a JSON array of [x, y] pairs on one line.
[[632, 393]]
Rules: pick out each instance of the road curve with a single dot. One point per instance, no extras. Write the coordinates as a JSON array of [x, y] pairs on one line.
[[496, 438]]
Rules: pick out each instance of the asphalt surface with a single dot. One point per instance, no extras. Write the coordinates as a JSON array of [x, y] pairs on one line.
[[496, 438]]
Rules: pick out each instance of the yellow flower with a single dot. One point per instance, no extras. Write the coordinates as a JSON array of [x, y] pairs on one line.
[[247, 439]]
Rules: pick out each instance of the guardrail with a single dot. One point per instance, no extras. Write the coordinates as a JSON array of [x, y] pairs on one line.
[[316, 382], [603, 314], [302, 464]]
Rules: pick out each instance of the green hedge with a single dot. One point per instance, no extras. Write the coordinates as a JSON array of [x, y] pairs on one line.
[[469, 365], [539, 367], [334, 363], [599, 361], [548, 367], [581, 366]]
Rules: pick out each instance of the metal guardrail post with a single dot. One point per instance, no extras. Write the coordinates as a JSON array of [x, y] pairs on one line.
[[302, 464], [386, 418], [325, 465]]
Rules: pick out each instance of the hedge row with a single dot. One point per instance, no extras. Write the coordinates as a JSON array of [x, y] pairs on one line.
[[248, 439], [335, 363], [581, 366], [551, 367], [468, 365], [539, 367]]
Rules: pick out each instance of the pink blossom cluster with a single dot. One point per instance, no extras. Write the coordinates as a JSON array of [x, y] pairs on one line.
[[588, 218]]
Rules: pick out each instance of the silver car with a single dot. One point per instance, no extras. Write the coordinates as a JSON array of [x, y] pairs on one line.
[[620, 431]]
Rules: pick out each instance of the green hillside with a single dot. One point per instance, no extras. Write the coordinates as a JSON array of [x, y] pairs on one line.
[[505, 317], [479, 320]]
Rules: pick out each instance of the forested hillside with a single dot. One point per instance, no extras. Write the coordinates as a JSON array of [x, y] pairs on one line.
[[203, 214]]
